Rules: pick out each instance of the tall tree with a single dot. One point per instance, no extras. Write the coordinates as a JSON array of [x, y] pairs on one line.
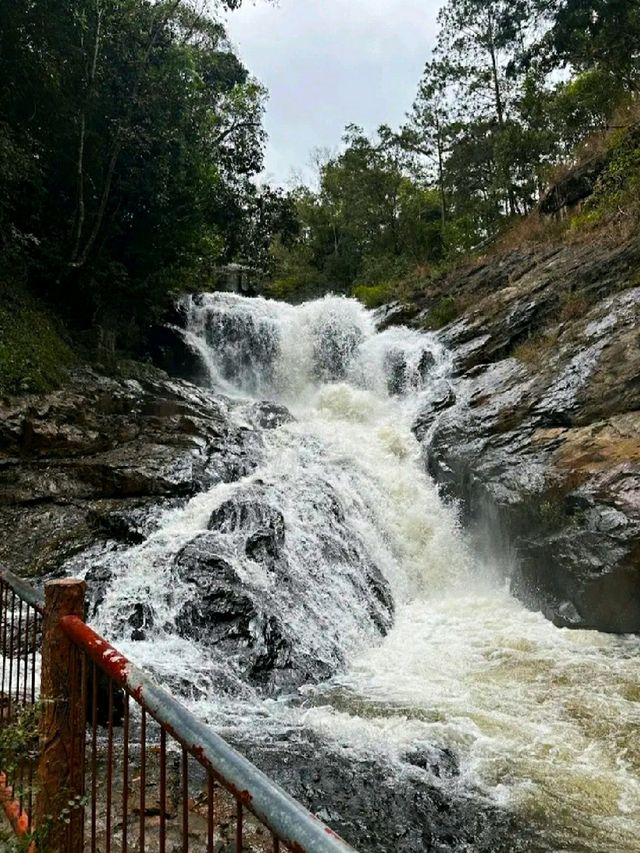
[[477, 39], [426, 131], [141, 131], [588, 34]]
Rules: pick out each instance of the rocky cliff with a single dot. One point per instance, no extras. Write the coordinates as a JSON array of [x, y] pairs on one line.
[[538, 431]]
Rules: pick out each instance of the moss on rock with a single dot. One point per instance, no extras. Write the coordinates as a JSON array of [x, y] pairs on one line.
[[34, 356]]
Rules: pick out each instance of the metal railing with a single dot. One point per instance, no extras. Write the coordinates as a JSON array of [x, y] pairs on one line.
[[123, 764], [20, 636]]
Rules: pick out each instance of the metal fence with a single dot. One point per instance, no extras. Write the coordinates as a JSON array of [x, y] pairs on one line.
[[20, 636], [122, 763]]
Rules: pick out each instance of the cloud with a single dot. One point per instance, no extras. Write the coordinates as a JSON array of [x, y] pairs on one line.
[[327, 63]]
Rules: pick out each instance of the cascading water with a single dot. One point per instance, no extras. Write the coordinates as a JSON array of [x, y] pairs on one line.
[[331, 590]]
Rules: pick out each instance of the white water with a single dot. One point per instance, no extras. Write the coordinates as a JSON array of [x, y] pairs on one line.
[[546, 721]]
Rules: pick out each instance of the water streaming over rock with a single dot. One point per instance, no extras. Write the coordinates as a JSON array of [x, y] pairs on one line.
[[330, 590]]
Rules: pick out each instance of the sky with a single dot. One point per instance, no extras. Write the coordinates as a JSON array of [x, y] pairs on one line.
[[328, 63]]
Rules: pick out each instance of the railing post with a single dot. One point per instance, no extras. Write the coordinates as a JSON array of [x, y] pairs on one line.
[[60, 776]]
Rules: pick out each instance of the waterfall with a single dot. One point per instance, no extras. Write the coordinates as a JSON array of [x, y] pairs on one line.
[[331, 589]]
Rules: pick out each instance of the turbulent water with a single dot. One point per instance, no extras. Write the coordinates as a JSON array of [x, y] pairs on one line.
[[544, 721]]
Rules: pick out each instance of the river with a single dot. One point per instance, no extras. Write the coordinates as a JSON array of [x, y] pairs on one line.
[[543, 722]]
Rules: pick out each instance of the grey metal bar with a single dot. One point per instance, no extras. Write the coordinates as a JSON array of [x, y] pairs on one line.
[[296, 827], [23, 590]]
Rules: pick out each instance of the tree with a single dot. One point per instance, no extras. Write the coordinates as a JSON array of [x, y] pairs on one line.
[[426, 132], [588, 34], [142, 132], [477, 39], [369, 221]]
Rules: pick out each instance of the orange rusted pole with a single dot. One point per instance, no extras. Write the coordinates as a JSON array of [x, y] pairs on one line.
[[60, 777]]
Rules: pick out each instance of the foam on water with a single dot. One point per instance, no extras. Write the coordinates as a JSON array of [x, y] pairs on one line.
[[544, 720]]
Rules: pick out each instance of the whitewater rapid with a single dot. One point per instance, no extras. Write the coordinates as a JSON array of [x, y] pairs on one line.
[[545, 721]]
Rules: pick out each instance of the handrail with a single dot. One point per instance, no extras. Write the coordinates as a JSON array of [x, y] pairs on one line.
[[297, 828], [23, 590]]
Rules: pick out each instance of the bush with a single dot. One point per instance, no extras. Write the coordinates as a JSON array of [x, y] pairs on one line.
[[444, 312], [374, 295], [33, 355], [535, 349]]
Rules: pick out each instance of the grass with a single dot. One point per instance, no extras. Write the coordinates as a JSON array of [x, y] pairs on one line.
[[535, 349], [34, 356], [446, 310], [574, 306]]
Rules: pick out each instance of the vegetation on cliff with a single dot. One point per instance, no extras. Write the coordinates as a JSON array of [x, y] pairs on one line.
[[131, 138], [515, 97]]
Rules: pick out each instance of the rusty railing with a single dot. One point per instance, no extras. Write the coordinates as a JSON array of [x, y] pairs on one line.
[[20, 635], [123, 766]]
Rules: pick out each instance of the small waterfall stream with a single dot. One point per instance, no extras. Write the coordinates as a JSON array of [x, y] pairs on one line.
[[355, 609]]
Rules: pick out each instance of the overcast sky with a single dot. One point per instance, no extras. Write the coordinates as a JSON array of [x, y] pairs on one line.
[[327, 63]]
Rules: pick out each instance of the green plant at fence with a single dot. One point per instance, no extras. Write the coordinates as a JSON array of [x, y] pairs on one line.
[[19, 744]]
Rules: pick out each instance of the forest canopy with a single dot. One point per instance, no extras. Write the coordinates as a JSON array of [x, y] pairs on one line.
[[511, 89], [130, 134], [131, 147]]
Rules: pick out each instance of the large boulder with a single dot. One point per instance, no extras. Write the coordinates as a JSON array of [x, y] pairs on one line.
[[245, 594]]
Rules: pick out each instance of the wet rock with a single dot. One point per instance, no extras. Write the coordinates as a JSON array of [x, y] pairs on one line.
[[441, 397], [400, 811], [141, 620], [440, 762], [99, 458], [170, 351], [127, 521], [401, 377], [251, 603], [333, 353], [268, 415], [248, 512], [225, 612], [542, 449]]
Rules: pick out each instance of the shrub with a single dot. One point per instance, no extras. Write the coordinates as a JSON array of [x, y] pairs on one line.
[[444, 312], [535, 348], [375, 295], [33, 354]]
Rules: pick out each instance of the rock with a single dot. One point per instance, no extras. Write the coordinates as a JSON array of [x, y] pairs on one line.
[[406, 809], [98, 459], [226, 613], [170, 351], [255, 606], [268, 415], [576, 186], [440, 762], [333, 353], [543, 449], [441, 397]]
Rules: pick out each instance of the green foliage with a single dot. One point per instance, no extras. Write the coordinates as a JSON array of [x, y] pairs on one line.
[[587, 34], [444, 312], [618, 187], [19, 738], [375, 295], [130, 135], [33, 354], [368, 222]]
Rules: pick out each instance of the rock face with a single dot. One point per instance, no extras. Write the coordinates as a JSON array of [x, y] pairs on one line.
[[538, 434], [572, 189], [87, 463]]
